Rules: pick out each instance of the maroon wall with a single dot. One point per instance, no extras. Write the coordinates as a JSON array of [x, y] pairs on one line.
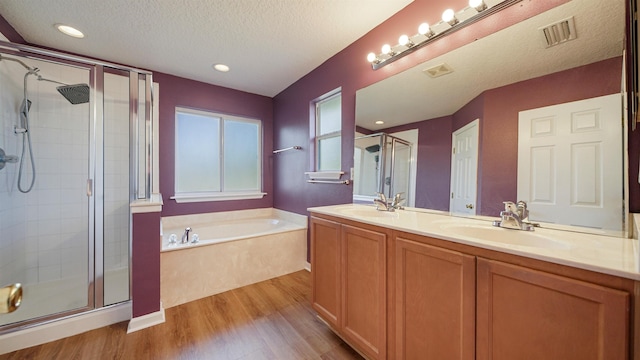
[[433, 173], [145, 269], [349, 70], [175, 91], [9, 32], [499, 129]]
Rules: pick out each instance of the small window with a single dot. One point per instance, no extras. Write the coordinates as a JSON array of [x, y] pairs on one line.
[[329, 133], [217, 157]]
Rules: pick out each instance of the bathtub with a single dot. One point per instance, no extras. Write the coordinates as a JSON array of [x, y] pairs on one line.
[[230, 230], [235, 249]]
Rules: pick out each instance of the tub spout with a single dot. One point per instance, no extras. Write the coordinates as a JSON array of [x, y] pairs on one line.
[[185, 236]]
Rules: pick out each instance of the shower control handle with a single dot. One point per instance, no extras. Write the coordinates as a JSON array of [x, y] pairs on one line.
[[4, 159]]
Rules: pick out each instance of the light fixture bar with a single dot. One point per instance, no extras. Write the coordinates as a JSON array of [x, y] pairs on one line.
[[384, 59]]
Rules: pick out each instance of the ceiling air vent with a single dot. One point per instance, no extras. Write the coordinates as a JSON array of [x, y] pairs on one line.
[[438, 70], [558, 33]]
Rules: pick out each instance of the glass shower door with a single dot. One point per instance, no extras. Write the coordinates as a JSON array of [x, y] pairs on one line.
[[400, 168], [46, 230]]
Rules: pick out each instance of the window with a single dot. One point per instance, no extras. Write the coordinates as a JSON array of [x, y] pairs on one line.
[[217, 157], [329, 132]]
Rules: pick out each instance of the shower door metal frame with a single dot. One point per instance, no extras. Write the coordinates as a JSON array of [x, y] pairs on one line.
[[394, 141], [383, 162], [95, 181]]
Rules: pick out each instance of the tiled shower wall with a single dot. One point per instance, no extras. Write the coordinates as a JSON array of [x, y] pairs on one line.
[[116, 168], [49, 224], [44, 233], [12, 211]]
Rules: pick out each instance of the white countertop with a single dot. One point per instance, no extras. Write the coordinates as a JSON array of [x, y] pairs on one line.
[[604, 254]]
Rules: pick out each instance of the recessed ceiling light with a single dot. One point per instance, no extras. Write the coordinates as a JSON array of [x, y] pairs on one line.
[[221, 67], [71, 31], [379, 122]]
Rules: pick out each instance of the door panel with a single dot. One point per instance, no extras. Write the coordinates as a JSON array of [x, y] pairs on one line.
[[325, 269], [519, 309], [464, 170], [575, 147], [435, 302], [364, 289]]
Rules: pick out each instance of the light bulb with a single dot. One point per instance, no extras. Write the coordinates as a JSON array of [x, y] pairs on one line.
[[479, 5], [449, 16], [386, 49], [71, 31], [371, 57], [221, 67], [404, 40], [424, 29]]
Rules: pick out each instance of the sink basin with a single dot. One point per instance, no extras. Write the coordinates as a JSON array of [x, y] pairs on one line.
[[506, 236], [368, 212]]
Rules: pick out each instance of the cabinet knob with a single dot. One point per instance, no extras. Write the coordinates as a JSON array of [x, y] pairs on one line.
[[469, 206]]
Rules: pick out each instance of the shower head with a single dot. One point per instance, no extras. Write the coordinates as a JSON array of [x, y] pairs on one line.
[[373, 148], [76, 94]]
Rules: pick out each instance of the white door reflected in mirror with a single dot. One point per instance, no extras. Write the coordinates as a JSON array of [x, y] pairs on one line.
[[464, 169], [569, 163]]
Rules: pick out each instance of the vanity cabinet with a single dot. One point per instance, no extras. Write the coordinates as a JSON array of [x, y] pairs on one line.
[[397, 295], [435, 302], [349, 285], [545, 316]]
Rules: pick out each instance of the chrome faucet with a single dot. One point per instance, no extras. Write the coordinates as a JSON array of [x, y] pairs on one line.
[[515, 216], [383, 204], [185, 236]]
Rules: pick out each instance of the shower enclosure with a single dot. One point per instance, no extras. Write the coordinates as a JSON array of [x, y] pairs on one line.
[[381, 165], [75, 134]]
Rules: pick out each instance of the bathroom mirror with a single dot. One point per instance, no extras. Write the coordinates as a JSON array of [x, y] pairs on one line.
[[494, 79]]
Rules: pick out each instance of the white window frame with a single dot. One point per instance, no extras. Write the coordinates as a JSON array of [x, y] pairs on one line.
[[188, 197], [329, 96]]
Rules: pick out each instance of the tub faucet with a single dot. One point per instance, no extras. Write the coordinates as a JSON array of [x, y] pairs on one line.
[[185, 236]]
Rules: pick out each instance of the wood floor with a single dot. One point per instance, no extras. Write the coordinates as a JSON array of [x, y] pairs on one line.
[[272, 319]]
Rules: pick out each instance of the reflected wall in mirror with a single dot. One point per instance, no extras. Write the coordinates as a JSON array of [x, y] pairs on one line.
[[494, 79]]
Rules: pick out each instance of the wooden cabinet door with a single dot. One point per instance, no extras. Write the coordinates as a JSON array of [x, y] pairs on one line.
[[528, 314], [364, 291], [435, 302], [325, 269]]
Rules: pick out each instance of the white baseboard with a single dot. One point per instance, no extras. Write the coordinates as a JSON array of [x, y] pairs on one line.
[[307, 266], [145, 321], [63, 328]]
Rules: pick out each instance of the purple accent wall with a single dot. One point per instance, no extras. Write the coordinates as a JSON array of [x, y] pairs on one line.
[[146, 263], [364, 131], [349, 70], [176, 91], [634, 169], [433, 173], [499, 126], [9, 32]]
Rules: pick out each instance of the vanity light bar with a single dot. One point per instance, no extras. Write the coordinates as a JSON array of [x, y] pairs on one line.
[[451, 22]]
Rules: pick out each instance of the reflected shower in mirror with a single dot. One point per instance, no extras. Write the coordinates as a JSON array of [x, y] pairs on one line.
[[382, 164], [494, 79]]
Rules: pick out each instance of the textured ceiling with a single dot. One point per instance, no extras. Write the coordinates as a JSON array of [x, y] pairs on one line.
[[511, 55], [269, 44]]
